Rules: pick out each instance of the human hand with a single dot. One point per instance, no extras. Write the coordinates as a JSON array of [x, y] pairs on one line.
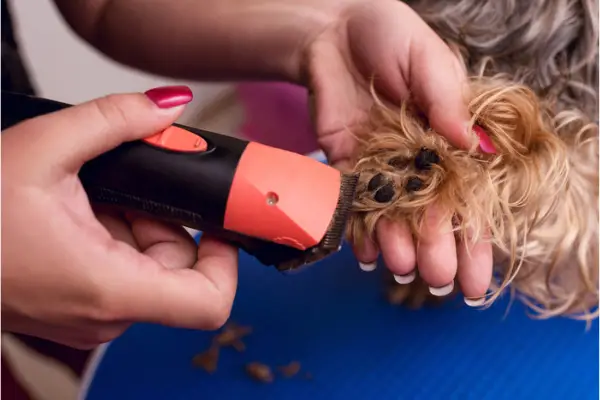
[[81, 278], [387, 40]]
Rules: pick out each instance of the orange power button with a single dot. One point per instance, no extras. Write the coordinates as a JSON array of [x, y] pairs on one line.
[[177, 139]]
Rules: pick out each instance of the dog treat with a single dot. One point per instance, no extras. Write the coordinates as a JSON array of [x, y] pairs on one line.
[[260, 372], [231, 336], [207, 360], [239, 346], [290, 370]]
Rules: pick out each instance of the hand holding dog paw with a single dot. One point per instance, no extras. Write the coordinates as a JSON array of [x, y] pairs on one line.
[[387, 41]]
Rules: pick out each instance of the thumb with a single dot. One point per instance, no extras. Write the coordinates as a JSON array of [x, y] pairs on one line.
[[440, 86], [79, 133]]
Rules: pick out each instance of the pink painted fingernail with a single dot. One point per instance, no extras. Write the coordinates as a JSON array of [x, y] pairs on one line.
[[485, 143], [170, 96]]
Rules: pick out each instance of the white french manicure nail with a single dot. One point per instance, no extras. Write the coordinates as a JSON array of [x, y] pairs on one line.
[[442, 291], [405, 279], [475, 302], [368, 267]]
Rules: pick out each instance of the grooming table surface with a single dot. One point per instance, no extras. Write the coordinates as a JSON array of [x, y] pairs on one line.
[[333, 319]]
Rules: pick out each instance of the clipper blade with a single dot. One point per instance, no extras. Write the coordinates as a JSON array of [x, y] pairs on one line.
[[334, 237]]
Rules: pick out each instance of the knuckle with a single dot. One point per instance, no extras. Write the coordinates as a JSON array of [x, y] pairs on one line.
[[103, 311], [92, 340], [102, 307], [110, 111], [83, 340], [104, 336], [220, 315], [96, 334]]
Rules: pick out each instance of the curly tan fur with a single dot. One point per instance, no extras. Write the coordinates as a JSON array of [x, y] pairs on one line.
[[536, 95], [550, 48], [537, 196]]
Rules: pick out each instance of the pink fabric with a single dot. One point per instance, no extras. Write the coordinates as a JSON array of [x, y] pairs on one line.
[[277, 114]]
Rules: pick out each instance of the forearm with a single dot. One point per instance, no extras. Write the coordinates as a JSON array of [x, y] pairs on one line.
[[204, 39]]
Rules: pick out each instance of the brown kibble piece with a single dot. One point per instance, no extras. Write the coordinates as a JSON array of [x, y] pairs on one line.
[[290, 370], [239, 346], [207, 360], [231, 335], [225, 338], [260, 372], [396, 295], [308, 376]]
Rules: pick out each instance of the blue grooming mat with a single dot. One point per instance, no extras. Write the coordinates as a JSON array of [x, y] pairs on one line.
[[334, 320]]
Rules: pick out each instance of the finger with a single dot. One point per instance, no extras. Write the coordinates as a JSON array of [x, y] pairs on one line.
[[475, 265], [80, 133], [366, 252], [436, 252], [170, 245], [422, 66], [335, 113], [116, 225], [439, 85], [398, 249], [198, 298], [343, 165], [431, 73]]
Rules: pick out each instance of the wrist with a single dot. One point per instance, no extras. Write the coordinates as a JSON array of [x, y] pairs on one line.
[[226, 40], [280, 34]]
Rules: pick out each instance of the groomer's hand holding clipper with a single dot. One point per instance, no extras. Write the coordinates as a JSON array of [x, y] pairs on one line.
[[94, 272]]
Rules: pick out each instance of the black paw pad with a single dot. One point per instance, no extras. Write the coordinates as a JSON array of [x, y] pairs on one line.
[[376, 182], [425, 159], [413, 184], [385, 193]]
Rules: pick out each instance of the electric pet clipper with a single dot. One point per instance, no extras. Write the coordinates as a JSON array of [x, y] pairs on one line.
[[285, 209]]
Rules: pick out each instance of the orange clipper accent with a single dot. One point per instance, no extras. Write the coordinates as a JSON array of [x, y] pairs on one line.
[[292, 204], [177, 139]]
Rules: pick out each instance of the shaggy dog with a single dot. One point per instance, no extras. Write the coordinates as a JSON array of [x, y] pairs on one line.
[[534, 94]]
